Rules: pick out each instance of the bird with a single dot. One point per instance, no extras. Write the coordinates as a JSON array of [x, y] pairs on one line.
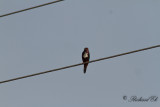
[[85, 58]]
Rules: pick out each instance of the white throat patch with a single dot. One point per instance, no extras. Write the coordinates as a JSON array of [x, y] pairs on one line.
[[85, 55]]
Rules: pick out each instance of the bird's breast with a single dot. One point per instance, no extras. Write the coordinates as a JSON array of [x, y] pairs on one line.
[[85, 55]]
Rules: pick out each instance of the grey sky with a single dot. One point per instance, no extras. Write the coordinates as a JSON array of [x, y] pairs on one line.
[[55, 36]]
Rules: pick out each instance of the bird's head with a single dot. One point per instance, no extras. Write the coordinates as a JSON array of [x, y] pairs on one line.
[[86, 49]]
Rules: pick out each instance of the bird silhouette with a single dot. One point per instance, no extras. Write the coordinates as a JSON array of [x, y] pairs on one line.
[[85, 58]]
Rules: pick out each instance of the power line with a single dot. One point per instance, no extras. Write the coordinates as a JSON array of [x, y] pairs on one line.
[[31, 75], [30, 8]]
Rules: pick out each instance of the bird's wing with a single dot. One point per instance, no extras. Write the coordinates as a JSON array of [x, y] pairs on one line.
[[82, 56], [88, 55]]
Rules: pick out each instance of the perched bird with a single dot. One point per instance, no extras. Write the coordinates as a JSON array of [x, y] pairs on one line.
[[85, 58]]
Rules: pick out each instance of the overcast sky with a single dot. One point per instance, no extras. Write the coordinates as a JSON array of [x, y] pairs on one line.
[[55, 36]]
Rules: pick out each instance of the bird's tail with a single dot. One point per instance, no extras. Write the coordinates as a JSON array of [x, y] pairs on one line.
[[85, 68]]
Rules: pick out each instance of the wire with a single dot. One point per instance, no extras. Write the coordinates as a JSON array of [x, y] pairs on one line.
[[30, 8], [31, 75]]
